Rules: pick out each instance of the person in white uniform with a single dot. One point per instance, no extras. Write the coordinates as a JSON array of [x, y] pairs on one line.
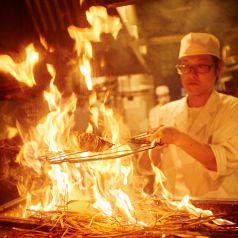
[[162, 97], [199, 131]]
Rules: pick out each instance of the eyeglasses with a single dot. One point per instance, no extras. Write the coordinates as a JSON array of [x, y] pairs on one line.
[[199, 68]]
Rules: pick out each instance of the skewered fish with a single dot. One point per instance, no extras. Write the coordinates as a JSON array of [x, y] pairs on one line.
[[92, 142]]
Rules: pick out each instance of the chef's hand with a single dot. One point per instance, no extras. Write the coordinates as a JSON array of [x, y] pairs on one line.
[[199, 151], [165, 135]]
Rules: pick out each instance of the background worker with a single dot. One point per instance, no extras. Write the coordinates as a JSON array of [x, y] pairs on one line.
[[199, 131], [162, 97]]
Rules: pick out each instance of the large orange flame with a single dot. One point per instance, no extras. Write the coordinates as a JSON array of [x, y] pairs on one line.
[[100, 23], [99, 182], [23, 72]]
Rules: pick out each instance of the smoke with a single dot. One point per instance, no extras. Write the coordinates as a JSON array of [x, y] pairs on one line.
[[182, 16]]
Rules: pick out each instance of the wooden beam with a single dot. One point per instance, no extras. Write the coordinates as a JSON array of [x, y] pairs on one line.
[[114, 4], [159, 40]]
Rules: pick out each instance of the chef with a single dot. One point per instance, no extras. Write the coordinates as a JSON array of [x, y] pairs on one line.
[[199, 131]]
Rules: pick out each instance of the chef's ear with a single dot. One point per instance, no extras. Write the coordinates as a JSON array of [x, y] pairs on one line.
[[218, 65], [219, 69]]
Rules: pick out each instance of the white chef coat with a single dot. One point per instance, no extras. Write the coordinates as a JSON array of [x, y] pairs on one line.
[[154, 116], [216, 124]]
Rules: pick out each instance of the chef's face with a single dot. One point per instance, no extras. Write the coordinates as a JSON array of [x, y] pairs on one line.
[[199, 74]]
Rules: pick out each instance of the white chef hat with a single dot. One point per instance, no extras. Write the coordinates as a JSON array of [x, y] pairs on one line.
[[199, 44], [161, 90]]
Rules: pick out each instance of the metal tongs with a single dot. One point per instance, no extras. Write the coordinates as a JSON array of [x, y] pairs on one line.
[[142, 141], [145, 138]]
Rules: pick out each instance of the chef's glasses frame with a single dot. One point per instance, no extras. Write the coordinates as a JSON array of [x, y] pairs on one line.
[[199, 68]]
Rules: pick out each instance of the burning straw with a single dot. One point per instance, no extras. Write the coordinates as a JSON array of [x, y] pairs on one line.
[[165, 222]]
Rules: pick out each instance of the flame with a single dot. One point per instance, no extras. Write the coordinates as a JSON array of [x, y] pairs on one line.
[[84, 48], [11, 132], [91, 181], [100, 22], [86, 71], [23, 72], [53, 131], [81, 2], [102, 204], [124, 204], [45, 44]]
